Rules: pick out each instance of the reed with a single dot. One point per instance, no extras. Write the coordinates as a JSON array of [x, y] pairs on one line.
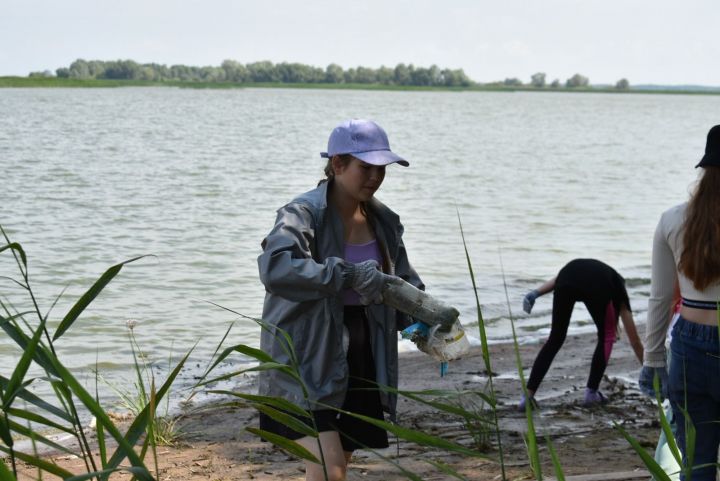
[[25, 415], [28, 329]]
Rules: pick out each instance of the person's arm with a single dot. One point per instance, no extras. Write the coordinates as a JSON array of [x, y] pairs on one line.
[[529, 300], [632, 334], [548, 286], [662, 291], [287, 267]]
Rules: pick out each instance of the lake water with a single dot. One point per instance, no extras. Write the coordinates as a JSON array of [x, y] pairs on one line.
[[92, 177]]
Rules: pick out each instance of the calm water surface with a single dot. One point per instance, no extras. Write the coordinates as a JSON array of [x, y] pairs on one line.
[[92, 177]]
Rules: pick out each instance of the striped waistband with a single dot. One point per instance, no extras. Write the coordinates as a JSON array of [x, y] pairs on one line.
[[708, 305]]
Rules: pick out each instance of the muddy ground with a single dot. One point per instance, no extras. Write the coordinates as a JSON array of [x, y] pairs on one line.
[[215, 446]]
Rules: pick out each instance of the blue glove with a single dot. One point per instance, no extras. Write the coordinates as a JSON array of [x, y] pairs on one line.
[[647, 374], [529, 300]]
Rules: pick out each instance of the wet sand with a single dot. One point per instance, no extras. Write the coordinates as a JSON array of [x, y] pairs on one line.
[[216, 446]]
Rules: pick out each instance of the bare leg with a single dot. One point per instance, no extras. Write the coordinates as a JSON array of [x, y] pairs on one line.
[[335, 458]]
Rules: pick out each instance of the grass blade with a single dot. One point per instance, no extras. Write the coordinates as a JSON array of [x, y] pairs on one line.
[[16, 380], [5, 473], [36, 401], [46, 466], [25, 431], [123, 445], [532, 446], [288, 445], [257, 354], [415, 436], [559, 475], [277, 402], [140, 473], [652, 465], [18, 249], [287, 420], [89, 296], [39, 419], [260, 367], [5, 434], [445, 468], [485, 348], [138, 426]]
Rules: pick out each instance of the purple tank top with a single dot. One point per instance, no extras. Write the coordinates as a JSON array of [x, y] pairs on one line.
[[358, 253]]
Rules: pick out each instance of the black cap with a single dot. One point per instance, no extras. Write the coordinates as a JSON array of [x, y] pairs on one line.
[[712, 149]]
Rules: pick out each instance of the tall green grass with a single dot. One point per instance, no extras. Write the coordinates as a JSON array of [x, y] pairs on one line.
[[29, 330]]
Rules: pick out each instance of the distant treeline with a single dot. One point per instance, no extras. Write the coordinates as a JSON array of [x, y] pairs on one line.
[[231, 71], [260, 72]]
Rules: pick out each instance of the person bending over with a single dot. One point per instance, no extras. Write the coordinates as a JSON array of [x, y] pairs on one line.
[[603, 292]]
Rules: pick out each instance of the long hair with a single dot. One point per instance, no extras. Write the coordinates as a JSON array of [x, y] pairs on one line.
[[700, 258]]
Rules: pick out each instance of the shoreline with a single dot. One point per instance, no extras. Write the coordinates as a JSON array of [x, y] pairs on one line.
[[10, 82], [216, 445]]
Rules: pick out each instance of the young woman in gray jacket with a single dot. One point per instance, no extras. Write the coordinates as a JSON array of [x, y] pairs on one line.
[[324, 265]]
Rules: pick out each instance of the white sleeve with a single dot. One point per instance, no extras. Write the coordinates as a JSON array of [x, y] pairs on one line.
[[662, 291]]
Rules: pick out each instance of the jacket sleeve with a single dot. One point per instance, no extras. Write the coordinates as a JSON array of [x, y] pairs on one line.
[[662, 289], [287, 267]]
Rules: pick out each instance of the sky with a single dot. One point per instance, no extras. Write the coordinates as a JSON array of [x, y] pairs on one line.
[[667, 42]]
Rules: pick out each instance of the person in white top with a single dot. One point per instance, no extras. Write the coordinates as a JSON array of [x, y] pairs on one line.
[[686, 251]]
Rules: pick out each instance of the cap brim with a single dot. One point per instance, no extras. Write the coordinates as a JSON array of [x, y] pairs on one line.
[[380, 157], [709, 159]]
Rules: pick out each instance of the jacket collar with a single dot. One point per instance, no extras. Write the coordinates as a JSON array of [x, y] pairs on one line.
[[318, 198]]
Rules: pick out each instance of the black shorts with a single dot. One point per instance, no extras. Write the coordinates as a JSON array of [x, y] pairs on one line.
[[354, 433]]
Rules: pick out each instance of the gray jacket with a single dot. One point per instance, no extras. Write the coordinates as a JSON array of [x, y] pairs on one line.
[[304, 275]]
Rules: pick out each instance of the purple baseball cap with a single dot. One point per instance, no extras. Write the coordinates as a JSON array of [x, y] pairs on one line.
[[363, 139]]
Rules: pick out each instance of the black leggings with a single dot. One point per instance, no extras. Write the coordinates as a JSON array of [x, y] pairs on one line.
[[605, 320]]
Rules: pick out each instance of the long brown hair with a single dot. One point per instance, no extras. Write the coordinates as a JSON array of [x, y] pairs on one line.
[[700, 258]]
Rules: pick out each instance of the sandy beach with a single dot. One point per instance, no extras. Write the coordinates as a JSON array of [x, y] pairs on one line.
[[215, 445]]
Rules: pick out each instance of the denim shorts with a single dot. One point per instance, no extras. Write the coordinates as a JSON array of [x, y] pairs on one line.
[[694, 385]]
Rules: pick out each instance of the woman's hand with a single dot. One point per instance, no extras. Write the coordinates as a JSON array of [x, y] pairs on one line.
[[368, 281], [646, 380]]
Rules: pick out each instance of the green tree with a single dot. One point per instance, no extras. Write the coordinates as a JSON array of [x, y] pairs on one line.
[[538, 80], [79, 69], [622, 84], [364, 75], [262, 72], [577, 80], [385, 75], [334, 74], [43, 74], [512, 82], [350, 76], [234, 71], [403, 74]]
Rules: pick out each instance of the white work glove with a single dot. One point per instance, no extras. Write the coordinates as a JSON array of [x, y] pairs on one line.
[[368, 281]]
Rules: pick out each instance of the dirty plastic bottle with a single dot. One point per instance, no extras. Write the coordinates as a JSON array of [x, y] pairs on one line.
[[407, 298]]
